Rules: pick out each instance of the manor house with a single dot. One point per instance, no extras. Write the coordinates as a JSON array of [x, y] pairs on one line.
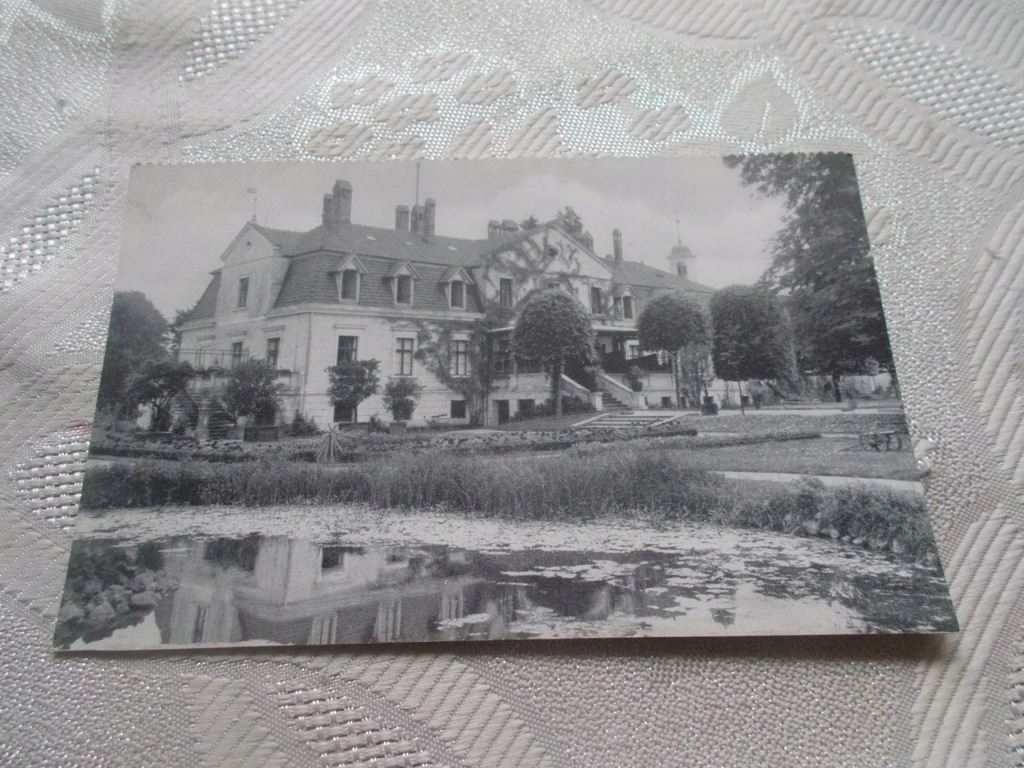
[[413, 300]]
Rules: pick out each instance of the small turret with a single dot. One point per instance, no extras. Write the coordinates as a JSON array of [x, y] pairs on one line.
[[681, 261]]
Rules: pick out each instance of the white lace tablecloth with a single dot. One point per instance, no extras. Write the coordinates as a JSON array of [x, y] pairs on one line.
[[928, 95]]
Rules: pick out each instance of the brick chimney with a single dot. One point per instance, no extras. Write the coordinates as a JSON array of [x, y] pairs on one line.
[[402, 218], [497, 229], [338, 205], [429, 209], [418, 215], [617, 247]]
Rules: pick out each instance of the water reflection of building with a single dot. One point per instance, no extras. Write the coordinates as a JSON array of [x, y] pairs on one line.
[[291, 591]]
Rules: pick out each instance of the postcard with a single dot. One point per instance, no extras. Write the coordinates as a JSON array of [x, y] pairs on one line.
[[400, 402]]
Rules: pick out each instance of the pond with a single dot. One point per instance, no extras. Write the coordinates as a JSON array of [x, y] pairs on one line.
[[149, 579]]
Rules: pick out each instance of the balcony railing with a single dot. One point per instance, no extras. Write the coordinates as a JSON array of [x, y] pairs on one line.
[[213, 358]]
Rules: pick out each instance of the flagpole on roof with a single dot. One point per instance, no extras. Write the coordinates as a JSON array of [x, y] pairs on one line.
[[417, 182]]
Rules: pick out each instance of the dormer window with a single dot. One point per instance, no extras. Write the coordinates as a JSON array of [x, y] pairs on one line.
[[350, 285], [349, 275], [624, 302], [458, 289], [403, 283], [455, 280], [403, 289]]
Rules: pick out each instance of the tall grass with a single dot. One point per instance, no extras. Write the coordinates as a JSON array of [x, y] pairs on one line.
[[575, 486], [560, 486]]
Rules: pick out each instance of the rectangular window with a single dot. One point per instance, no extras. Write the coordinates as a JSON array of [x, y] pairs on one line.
[[236, 353], [596, 304], [501, 355], [458, 409], [617, 306], [243, 292], [350, 285], [348, 348], [458, 294], [460, 358], [527, 407], [403, 357], [505, 293], [627, 307], [273, 350], [403, 289]]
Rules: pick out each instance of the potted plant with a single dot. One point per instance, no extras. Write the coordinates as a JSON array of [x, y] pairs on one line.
[[401, 394]]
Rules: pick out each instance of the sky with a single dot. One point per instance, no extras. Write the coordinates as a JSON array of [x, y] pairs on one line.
[[180, 219]]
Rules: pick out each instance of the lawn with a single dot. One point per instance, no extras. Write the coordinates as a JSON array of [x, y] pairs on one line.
[[546, 423], [823, 456], [837, 423]]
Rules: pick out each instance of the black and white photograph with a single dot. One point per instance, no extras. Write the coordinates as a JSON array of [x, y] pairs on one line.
[[507, 399]]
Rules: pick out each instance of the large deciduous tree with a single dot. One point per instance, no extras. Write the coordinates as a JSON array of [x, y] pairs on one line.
[[137, 337], [750, 335], [551, 327], [157, 385], [252, 391], [672, 323], [820, 262]]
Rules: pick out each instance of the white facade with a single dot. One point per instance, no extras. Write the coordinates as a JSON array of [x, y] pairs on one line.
[[303, 301]]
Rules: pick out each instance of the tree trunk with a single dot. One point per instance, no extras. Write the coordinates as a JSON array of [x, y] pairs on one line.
[[739, 390], [557, 388], [675, 377], [835, 387]]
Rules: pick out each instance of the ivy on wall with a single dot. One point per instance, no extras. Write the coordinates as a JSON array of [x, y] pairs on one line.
[[434, 348]]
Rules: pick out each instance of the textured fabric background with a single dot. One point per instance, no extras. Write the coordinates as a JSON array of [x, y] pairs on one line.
[[928, 94]]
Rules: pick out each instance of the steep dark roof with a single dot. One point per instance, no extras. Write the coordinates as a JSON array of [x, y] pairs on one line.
[[312, 278], [640, 275], [315, 256], [206, 307], [377, 241]]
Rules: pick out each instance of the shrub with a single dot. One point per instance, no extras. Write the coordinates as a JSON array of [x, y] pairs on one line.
[[351, 382], [302, 426], [400, 397], [377, 426]]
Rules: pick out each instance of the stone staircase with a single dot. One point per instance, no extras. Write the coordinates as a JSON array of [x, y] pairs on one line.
[[626, 419], [611, 403]]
